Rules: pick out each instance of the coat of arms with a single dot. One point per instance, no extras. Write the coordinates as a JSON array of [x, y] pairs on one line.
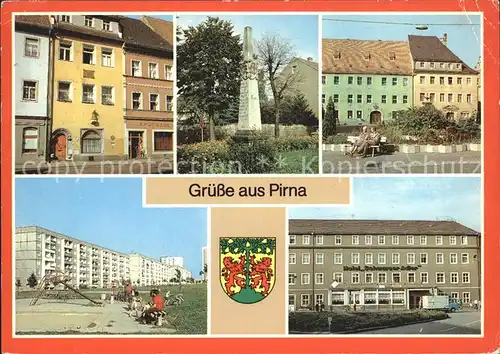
[[247, 267]]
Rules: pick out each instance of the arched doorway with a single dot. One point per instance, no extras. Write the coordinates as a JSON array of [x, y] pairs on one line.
[[450, 115], [61, 144], [375, 117]]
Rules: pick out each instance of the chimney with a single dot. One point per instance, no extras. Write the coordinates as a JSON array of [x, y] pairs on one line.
[[445, 39], [309, 59]]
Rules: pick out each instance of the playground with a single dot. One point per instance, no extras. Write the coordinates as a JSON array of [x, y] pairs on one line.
[[99, 311]]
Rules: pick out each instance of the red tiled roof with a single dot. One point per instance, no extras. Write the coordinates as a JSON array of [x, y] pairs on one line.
[[378, 227], [138, 33], [35, 20], [164, 28], [352, 56]]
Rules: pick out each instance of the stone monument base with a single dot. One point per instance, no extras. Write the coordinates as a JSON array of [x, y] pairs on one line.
[[247, 136]]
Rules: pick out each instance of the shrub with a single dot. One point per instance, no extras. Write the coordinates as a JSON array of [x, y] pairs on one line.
[[336, 139], [206, 157], [296, 143], [258, 156]]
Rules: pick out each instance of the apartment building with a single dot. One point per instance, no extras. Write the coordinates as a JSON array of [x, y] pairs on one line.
[[40, 251], [381, 263], [149, 90], [442, 78], [32, 85], [304, 80], [88, 93], [367, 80], [173, 261]]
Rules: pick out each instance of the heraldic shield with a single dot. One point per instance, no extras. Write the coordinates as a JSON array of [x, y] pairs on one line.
[[248, 267]]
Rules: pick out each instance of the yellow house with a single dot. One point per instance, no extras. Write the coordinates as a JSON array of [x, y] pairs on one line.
[[442, 78], [88, 89]]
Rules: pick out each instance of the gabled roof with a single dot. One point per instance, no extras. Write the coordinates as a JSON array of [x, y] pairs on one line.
[[432, 49], [378, 227], [136, 33], [38, 21], [352, 56], [63, 27], [164, 28], [312, 64]]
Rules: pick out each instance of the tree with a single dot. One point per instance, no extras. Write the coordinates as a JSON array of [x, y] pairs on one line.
[[296, 110], [32, 280], [329, 119], [178, 278], [275, 54], [208, 72]]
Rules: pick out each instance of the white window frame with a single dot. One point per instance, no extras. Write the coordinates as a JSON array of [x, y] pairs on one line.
[[437, 258], [426, 258], [108, 23], [353, 260], [392, 278], [464, 241], [66, 50], [423, 240], [410, 240], [303, 257], [439, 240], [90, 19], [355, 239], [305, 278], [94, 93], [366, 258], [169, 74], [352, 278], [316, 275], [341, 278], [305, 300], [111, 57], [292, 240], [156, 72], [338, 240], [86, 49], [426, 278], [335, 258], [29, 99], [453, 240], [385, 277], [292, 256], [462, 258], [381, 238], [292, 278], [321, 259], [395, 238], [368, 240], [408, 261], [32, 138], [456, 258], [457, 277], [319, 239], [408, 278], [151, 94], [306, 239], [112, 95], [444, 278], [366, 278], [37, 46], [141, 100], [70, 91], [468, 277], [132, 68], [379, 258], [62, 18], [398, 256]]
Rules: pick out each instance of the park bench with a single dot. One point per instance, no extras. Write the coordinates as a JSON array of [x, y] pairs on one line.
[[373, 148]]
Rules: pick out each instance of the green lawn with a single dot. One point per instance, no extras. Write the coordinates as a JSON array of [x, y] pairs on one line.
[[299, 161]]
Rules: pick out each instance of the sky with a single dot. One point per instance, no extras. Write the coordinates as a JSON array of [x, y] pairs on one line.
[[464, 39], [415, 198], [108, 212], [300, 30]]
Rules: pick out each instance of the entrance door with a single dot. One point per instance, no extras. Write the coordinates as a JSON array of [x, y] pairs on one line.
[[60, 147], [135, 144], [450, 115], [355, 296], [375, 117]]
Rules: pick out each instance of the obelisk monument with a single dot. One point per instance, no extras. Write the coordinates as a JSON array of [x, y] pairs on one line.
[[249, 120]]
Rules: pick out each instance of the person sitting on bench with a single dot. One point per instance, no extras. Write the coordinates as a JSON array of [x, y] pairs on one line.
[[157, 306], [359, 141], [373, 138]]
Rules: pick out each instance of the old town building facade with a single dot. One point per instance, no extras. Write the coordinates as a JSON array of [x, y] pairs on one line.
[[442, 78], [380, 264], [368, 80], [149, 91]]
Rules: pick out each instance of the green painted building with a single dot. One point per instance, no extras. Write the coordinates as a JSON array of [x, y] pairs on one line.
[[368, 80]]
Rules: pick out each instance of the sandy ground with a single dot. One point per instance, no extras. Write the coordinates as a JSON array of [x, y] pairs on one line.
[[78, 315]]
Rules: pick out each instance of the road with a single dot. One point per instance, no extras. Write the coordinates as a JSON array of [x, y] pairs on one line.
[[467, 322], [430, 163], [164, 166]]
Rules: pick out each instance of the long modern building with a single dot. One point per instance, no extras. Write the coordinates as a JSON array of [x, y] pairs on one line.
[[40, 251], [377, 263]]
